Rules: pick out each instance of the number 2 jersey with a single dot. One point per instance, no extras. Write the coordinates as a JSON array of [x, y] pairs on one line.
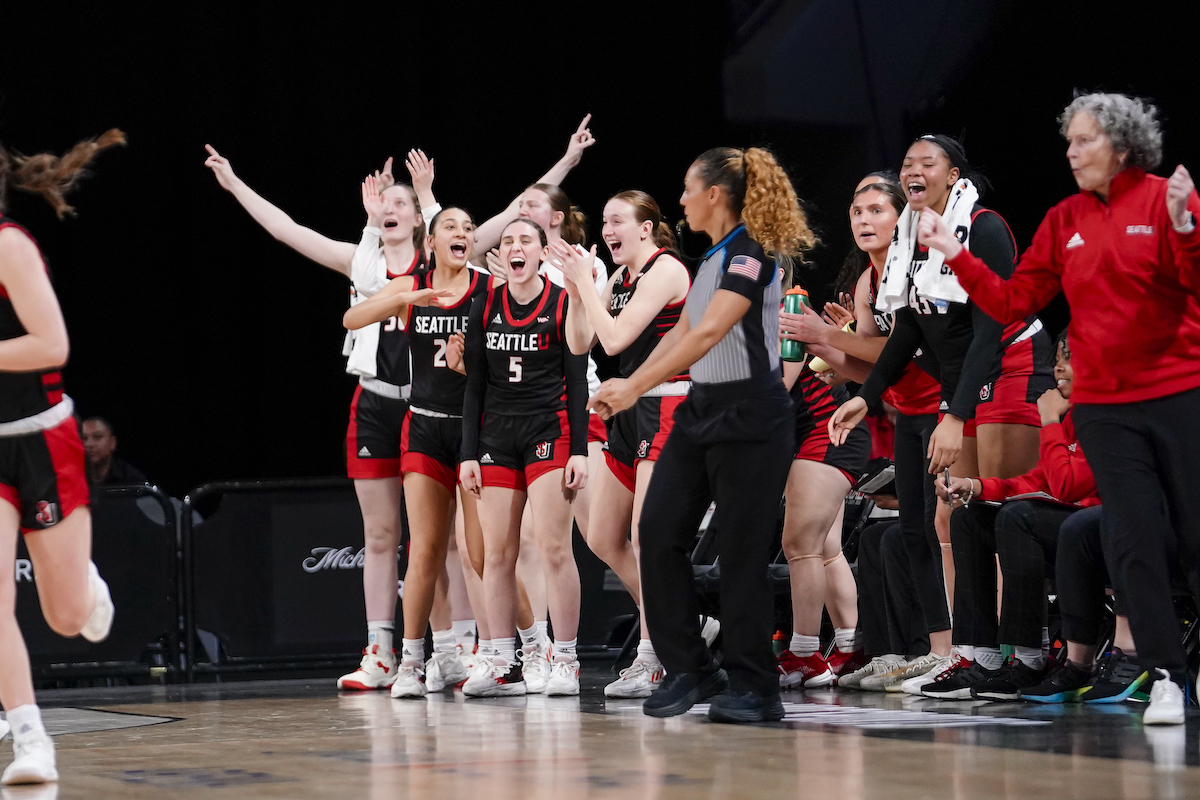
[[519, 365], [436, 387]]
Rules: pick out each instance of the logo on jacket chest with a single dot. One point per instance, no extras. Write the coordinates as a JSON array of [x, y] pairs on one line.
[[1139, 230]]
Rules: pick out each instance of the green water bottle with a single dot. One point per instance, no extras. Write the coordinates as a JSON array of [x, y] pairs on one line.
[[794, 302]]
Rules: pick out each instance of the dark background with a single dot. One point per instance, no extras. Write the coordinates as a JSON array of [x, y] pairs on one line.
[[216, 351]]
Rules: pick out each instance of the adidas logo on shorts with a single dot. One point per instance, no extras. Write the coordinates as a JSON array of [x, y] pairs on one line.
[[364, 452], [486, 458]]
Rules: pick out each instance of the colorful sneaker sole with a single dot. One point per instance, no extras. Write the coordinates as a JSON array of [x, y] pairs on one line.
[[1122, 696], [1069, 696]]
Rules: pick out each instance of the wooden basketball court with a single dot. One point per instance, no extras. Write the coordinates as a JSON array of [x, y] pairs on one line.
[[299, 739]]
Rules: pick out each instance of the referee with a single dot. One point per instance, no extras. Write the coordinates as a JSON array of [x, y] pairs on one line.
[[732, 441]]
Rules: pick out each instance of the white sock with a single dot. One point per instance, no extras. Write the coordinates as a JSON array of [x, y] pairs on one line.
[[464, 634], [26, 722], [443, 641], [486, 648], [989, 657], [506, 648], [967, 651], [413, 650], [380, 633], [803, 645], [847, 639], [564, 649], [543, 627], [645, 652], [1031, 657], [529, 636]]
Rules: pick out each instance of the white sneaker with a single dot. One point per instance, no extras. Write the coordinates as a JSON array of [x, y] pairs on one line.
[[3, 728], [501, 679], [902, 671], [33, 762], [564, 678], [99, 624], [444, 670], [915, 684], [709, 628], [639, 679], [535, 666], [1166, 702], [377, 670], [879, 665], [467, 657], [410, 680]]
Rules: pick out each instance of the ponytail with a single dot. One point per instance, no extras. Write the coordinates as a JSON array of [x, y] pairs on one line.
[[761, 193], [50, 176], [573, 229], [645, 209]]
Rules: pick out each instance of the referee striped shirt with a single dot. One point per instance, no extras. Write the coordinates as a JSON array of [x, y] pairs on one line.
[[750, 349]]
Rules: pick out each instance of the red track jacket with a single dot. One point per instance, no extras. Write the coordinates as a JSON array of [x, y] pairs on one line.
[[1131, 281], [1062, 471]]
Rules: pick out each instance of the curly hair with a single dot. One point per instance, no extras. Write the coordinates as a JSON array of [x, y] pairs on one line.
[[645, 209], [1130, 123], [49, 175], [574, 225], [761, 193]]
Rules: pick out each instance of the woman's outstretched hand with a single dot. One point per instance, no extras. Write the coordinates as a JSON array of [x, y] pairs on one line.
[[219, 164], [581, 140]]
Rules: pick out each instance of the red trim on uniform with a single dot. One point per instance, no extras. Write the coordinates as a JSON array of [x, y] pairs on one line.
[[52, 382], [562, 451], [411, 267], [1009, 403], [423, 464], [503, 477], [466, 298], [11, 495], [596, 430], [66, 456], [626, 474], [368, 468], [666, 421], [538, 309]]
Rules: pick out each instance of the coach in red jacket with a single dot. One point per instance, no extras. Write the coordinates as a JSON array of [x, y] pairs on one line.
[[1126, 252]]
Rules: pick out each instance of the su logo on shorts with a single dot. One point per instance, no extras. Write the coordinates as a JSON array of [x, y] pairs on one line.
[[643, 449], [47, 513], [544, 449], [985, 392]]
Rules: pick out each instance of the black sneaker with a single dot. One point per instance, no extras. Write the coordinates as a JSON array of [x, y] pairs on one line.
[[1008, 682], [1064, 684], [730, 706], [956, 682], [680, 691], [1118, 676]]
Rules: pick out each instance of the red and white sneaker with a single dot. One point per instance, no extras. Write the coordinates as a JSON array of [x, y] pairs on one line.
[[639, 679], [410, 680], [377, 670], [809, 672], [503, 679], [564, 678], [844, 663]]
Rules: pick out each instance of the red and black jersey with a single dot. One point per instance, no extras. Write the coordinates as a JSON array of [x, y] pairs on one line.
[[518, 364], [815, 402], [23, 394], [917, 392], [640, 349], [391, 357], [435, 386]]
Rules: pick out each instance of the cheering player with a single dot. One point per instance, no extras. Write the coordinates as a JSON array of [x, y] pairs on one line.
[[525, 436]]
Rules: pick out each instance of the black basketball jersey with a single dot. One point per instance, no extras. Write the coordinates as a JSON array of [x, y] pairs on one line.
[[436, 387], [525, 347], [815, 402], [640, 349], [23, 394], [391, 357]]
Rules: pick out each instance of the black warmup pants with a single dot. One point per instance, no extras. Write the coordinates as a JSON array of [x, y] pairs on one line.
[[1081, 575], [1146, 458], [889, 614], [1024, 533], [732, 443], [918, 503]]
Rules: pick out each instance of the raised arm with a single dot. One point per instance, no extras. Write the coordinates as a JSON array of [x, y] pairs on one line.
[[44, 345], [487, 235], [325, 251]]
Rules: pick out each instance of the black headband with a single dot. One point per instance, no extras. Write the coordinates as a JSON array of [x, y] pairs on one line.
[[953, 150]]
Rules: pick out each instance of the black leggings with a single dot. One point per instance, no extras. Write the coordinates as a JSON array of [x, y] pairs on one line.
[[918, 503], [889, 614], [1146, 458], [733, 445], [1024, 534], [1081, 575]]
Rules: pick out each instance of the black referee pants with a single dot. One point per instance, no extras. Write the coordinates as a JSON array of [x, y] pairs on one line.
[[1024, 533], [889, 614], [918, 504], [1146, 458], [732, 443]]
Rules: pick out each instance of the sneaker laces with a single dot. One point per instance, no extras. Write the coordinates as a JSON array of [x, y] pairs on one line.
[[410, 669], [1165, 690], [563, 669], [959, 664], [636, 669], [28, 745], [1117, 667]]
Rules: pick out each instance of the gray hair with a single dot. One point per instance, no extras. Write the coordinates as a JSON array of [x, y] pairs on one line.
[[1130, 123]]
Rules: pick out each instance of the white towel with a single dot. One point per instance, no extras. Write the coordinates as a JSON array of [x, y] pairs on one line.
[[929, 279]]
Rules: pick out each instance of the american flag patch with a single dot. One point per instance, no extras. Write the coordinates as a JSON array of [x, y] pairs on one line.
[[745, 266]]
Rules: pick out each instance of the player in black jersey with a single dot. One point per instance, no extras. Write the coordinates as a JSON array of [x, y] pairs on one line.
[[392, 246], [43, 487], [640, 304], [525, 436]]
